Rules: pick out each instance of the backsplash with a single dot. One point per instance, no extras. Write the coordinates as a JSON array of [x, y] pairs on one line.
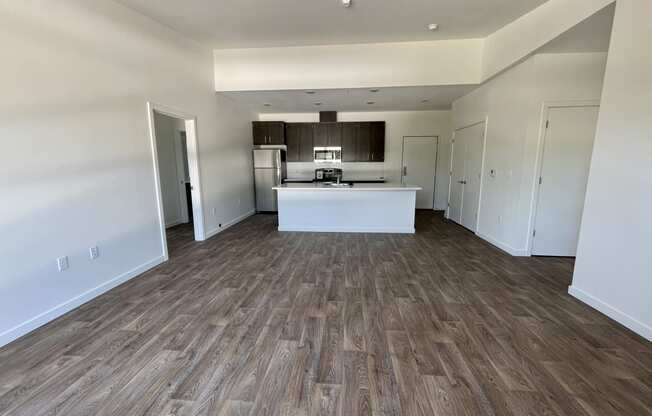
[[351, 171]]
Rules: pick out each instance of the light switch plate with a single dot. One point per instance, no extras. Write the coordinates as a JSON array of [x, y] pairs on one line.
[[62, 263], [94, 252]]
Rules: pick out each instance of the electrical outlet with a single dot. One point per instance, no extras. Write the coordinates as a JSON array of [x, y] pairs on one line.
[[94, 252], [62, 263]]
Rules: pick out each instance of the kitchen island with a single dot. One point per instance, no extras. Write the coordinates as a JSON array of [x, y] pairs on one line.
[[360, 208]]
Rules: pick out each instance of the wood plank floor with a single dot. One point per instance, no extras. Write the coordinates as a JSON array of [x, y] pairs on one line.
[[256, 322]]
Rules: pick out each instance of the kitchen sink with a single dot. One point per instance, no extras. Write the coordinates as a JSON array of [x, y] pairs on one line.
[[339, 185]]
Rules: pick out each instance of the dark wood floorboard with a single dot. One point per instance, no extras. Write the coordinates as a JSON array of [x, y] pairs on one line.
[[257, 322]]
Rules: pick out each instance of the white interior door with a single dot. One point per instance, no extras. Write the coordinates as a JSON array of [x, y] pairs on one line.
[[466, 175], [457, 178], [419, 166], [474, 143], [182, 173], [568, 145]]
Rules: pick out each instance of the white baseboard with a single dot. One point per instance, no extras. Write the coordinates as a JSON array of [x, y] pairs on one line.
[[614, 313], [505, 247], [327, 229], [231, 223], [43, 318]]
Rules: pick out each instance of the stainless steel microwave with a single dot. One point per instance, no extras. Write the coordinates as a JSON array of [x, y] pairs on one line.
[[328, 154]]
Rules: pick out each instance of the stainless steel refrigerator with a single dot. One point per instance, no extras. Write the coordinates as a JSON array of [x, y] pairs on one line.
[[269, 171]]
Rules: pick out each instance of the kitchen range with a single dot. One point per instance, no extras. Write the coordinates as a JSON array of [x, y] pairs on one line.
[[328, 200]]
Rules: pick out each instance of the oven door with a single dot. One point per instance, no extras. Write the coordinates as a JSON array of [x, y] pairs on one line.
[[328, 154]]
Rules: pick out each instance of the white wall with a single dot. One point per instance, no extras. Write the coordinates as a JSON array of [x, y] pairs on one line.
[[427, 63], [401, 64], [613, 272], [512, 103], [76, 165], [514, 42], [167, 138], [398, 125]]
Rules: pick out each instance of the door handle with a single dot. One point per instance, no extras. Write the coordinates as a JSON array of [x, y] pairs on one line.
[[404, 170]]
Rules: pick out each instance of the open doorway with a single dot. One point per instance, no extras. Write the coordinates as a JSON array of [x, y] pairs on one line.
[[176, 167]]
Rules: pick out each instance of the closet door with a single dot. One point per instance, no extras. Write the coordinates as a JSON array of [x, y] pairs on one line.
[[567, 149], [466, 176]]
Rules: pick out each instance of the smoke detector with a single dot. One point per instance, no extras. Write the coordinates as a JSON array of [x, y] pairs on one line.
[[346, 3]]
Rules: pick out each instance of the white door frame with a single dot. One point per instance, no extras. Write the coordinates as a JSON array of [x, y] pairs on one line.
[[193, 169], [538, 166], [482, 165], [434, 189]]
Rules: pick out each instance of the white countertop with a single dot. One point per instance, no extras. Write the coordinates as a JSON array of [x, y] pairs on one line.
[[355, 187]]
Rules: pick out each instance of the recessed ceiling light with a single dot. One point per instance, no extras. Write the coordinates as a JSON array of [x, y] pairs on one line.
[[267, 105], [433, 26], [318, 103], [310, 92], [370, 103], [374, 90]]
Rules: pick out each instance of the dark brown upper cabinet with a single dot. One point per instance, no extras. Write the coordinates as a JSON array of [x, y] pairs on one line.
[[363, 141], [377, 142], [298, 138], [260, 132], [350, 142], [360, 141], [327, 134], [269, 132], [355, 142]]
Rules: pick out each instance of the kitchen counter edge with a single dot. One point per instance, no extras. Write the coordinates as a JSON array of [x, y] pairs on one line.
[[355, 187]]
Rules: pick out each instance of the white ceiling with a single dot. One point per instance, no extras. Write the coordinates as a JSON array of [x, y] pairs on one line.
[[386, 99], [591, 35], [264, 23]]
